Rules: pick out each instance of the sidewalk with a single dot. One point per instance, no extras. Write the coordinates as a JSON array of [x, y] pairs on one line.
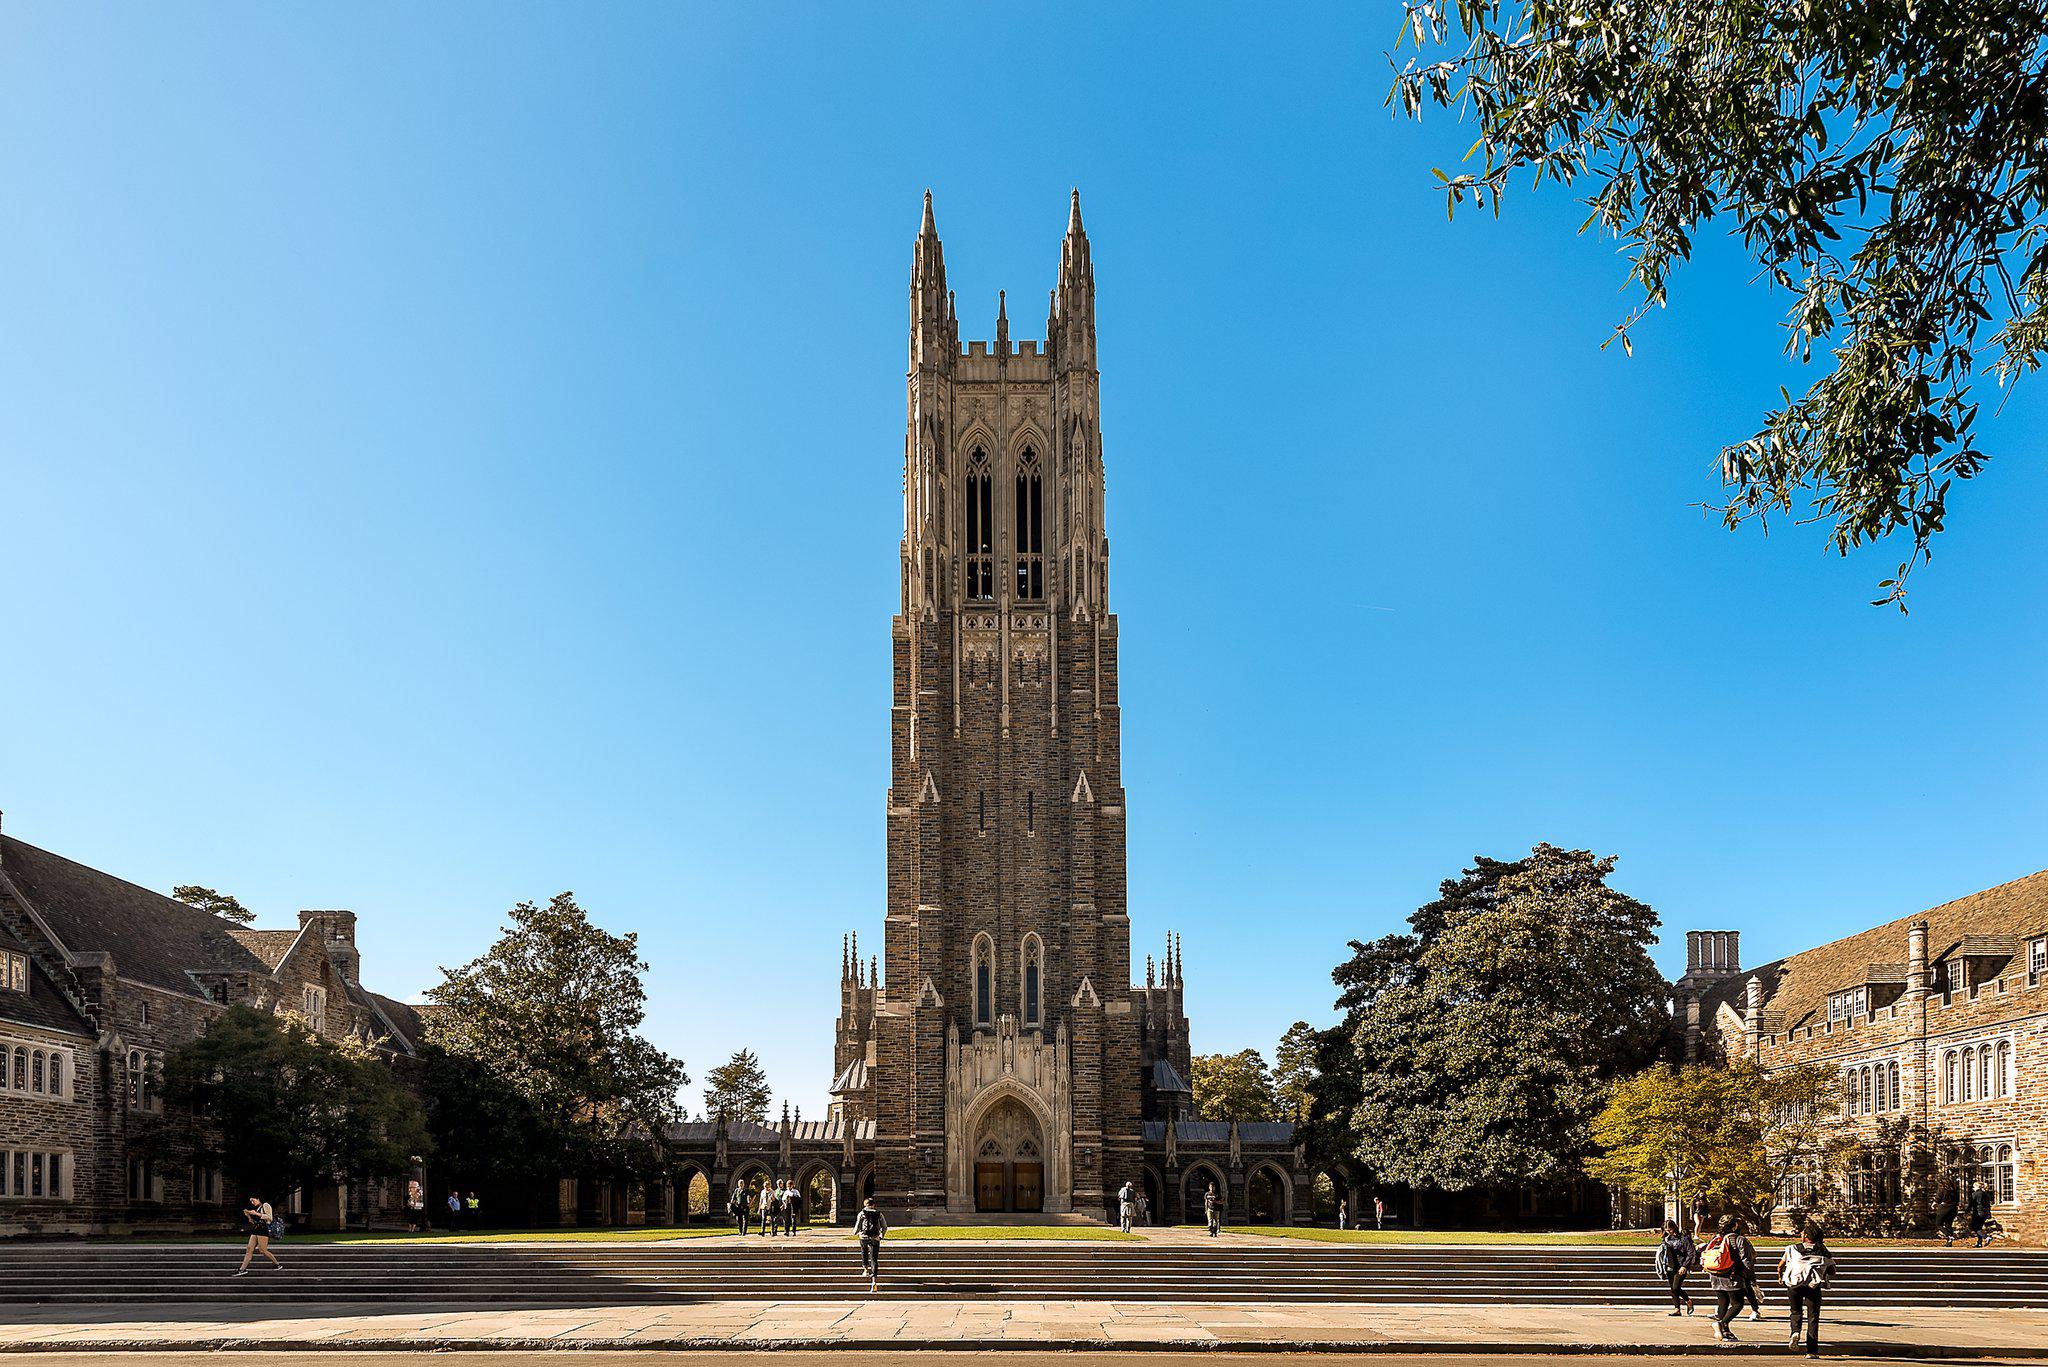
[[1861, 1331]]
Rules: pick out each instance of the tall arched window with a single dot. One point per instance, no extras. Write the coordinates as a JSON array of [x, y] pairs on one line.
[[981, 529], [2004, 1077], [1897, 1103], [1030, 545], [1867, 1107], [1949, 1095], [1033, 959], [984, 980]]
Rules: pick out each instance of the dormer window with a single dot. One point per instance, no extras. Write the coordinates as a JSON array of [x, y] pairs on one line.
[[2037, 961], [1954, 977], [13, 971], [1846, 1006]]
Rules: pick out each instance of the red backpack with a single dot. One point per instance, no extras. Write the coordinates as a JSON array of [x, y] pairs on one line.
[[1719, 1257]]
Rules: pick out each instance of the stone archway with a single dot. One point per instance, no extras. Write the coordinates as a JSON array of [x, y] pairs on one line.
[[1008, 1148]]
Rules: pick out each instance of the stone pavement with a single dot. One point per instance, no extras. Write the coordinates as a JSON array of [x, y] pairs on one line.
[[955, 1324]]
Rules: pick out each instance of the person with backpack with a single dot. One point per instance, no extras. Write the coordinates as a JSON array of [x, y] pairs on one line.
[[1728, 1260], [1805, 1269], [1746, 1262], [1675, 1254], [868, 1227], [263, 1226]]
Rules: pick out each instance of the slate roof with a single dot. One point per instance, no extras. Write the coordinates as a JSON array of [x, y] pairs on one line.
[[853, 1079], [1260, 1132], [404, 1019], [1796, 989], [749, 1133], [1167, 1078], [153, 939], [42, 1005]]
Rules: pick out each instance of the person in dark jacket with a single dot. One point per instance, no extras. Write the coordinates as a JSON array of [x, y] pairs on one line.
[[1675, 1253], [1212, 1207], [1748, 1266], [739, 1207], [1729, 1261], [1946, 1199], [1980, 1214], [869, 1226], [1806, 1268]]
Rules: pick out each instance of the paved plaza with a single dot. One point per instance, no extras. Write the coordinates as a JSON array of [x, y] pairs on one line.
[[958, 1324]]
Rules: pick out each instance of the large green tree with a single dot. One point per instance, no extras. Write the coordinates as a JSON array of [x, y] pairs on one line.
[[1480, 1044], [219, 903], [1884, 162], [551, 1016], [1233, 1086], [279, 1106], [737, 1089]]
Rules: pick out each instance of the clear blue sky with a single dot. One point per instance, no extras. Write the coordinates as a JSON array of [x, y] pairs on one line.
[[451, 454]]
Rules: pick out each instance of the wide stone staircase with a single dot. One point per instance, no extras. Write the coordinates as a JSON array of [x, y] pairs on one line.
[[500, 1275]]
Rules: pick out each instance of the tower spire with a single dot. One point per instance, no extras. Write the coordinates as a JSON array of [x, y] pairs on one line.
[[930, 308], [1002, 322], [1074, 297]]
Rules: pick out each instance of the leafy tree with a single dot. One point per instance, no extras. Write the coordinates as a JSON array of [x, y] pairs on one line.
[[553, 1012], [1294, 1070], [1233, 1087], [219, 903], [1481, 1042], [738, 1089], [1720, 1137], [1882, 161], [282, 1107]]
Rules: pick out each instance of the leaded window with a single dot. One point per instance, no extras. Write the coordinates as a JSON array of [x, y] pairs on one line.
[[1030, 518], [981, 529]]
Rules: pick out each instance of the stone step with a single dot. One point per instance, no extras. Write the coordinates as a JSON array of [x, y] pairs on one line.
[[568, 1274]]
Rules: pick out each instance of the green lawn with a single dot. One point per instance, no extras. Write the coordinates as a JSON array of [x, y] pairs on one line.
[[1097, 1233], [1639, 1238], [632, 1234], [1324, 1235]]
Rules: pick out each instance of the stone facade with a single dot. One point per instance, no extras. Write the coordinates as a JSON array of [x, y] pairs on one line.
[[1938, 1023], [105, 979], [999, 1049]]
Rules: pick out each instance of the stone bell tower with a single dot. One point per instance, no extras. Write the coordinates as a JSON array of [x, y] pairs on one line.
[[1001, 1047]]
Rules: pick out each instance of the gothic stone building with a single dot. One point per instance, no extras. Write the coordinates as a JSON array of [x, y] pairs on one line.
[[999, 1057], [1937, 1020], [99, 980]]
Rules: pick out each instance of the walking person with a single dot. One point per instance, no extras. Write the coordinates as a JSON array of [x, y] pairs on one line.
[[1126, 1207], [1144, 1210], [1379, 1212], [868, 1228], [792, 1207], [766, 1201], [415, 1206], [739, 1207], [263, 1226], [1675, 1254], [1806, 1268], [1746, 1261], [1343, 1213], [1728, 1259], [1946, 1199], [1212, 1208], [1980, 1214]]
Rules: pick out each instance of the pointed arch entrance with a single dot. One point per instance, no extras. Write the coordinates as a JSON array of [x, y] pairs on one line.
[[1009, 1158]]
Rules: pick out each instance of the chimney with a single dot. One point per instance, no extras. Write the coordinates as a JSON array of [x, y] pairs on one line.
[[1916, 959], [1752, 1015], [1712, 953], [337, 931]]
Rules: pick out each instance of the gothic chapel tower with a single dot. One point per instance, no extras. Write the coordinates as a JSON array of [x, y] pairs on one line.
[[999, 1055]]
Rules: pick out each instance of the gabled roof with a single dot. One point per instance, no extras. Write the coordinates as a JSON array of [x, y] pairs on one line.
[[1796, 989], [854, 1078], [42, 1005], [407, 1028], [1167, 1078], [153, 939], [270, 946]]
